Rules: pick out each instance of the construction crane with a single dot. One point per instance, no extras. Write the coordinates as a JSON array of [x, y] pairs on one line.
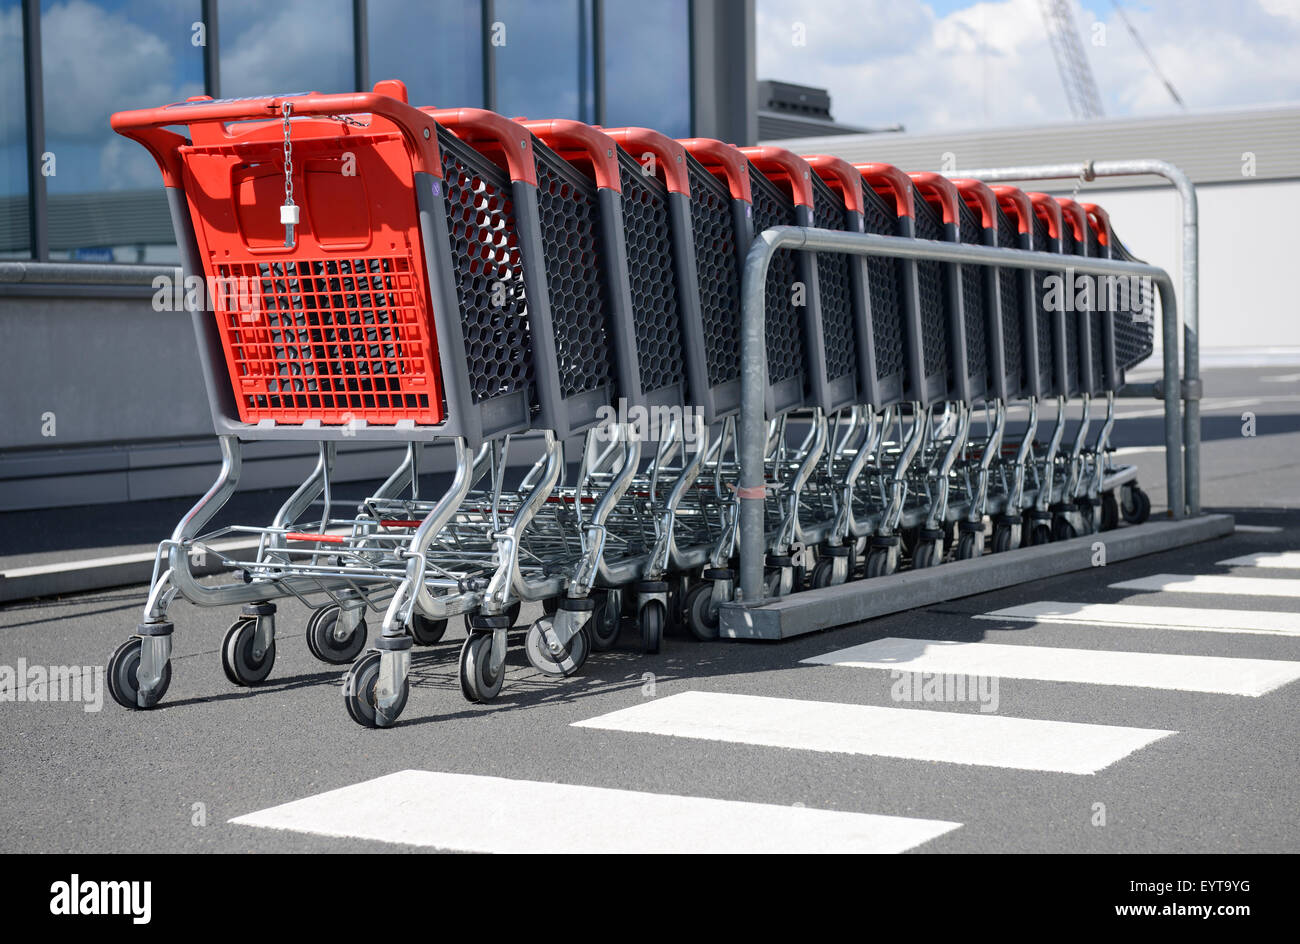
[[1076, 74]]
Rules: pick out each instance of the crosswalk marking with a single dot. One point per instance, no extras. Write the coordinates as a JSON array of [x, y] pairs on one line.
[[1212, 674], [1214, 583], [469, 813], [1258, 528], [1135, 616], [913, 733], [1285, 560]]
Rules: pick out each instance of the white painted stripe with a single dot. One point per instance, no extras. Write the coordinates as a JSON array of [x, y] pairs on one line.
[[1214, 674], [1224, 584], [1286, 560], [491, 814], [950, 736], [1263, 622], [1258, 528]]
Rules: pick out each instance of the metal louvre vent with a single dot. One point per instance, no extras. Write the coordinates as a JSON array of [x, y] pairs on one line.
[[718, 273], [929, 285], [656, 317], [488, 271], [1042, 243], [784, 341], [971, 231], [570, 225], [334, 340], [833, 285], [883, 281], [1009, 285]]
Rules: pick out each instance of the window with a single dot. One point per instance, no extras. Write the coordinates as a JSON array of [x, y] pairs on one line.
[[15, 233], [106, 201], [434, 46], [543, 66], [648, 65], [286, 46]]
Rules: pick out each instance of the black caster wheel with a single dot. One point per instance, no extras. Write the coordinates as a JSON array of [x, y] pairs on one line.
[[325, 641], [545, 660], [551, 605], [359, 694], [122, 675], [1002, 535], [1089, 515], [242, 668], [1062, 530], [924, 556], [426, 631], [476, 679], [651, 622], [1136, 507], [878, 563], [701, 617], [1040, 534], [1109, 511], [606, 621], [511, 611], [967, 549], [823, 574]]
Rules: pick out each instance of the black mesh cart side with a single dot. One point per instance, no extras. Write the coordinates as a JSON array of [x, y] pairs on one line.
[[1050, 323], [1132, 310], [937, 297], [1081, 321], [889, 309], [841, 281], [721, 219], [1100, 247], [781, 185], [1019, 293], [979, 225], [964, 303]]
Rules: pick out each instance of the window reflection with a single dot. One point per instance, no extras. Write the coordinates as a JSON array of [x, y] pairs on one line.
[[434, 46], [648, 65], [540, 62], [15, 234]]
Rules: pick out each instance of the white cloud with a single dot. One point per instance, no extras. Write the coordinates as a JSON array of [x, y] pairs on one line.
[[991, 64]]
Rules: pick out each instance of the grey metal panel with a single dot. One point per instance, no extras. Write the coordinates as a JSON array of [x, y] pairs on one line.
[[1207, 146], [724, 86]]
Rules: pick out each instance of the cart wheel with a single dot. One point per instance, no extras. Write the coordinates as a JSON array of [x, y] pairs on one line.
[[551, 605], [822, 573], [701, 618], [1041, 534], [122, 672], [1090, 515], [606, 621], [476, 678], [1109, 511], [324, 641], [1001, 538], [237, 654], [546, 660], [924, 556], [1137, 508], [1062, 530], [651, 621], [425, 631], [966, 549], [359, 693], [878, 562]]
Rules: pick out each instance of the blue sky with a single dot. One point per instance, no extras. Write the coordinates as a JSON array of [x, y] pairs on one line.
[[938, 65]]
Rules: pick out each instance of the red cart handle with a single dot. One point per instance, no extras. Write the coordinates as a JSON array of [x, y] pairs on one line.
[[1016, 205], [1076, 217], [670, 155], [942, 191], [1050, 211], [774, 161], [479, 126], [886, 178], [838, 174], [147, 125], [599, 148], [978, 196], [1099, 220], [722, 160]]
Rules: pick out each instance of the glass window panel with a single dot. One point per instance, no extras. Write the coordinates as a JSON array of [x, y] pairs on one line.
[[286, 46], [540, 59], [15, 237], [106, 198], [434, 46], [648, 65]]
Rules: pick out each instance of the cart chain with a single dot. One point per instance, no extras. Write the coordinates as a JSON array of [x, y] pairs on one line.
[[288, 212]]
